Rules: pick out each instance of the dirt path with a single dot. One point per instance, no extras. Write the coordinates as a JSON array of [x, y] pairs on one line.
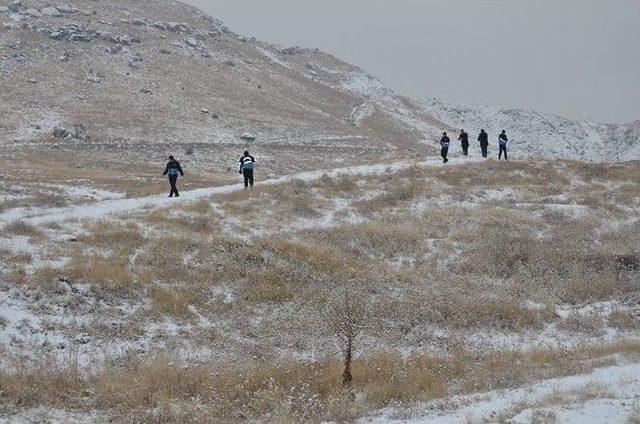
[[104, 208]]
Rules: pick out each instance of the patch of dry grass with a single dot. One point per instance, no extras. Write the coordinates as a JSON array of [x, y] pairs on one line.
[[11, 257], [100, 270], [170, 301], [588, 324], [385, 239], [289, 391], [22, 228], [623, 320], [44, 275], [274, 284], [121, 239]]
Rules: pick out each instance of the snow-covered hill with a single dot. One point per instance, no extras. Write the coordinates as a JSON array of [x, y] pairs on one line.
[[544, 135]]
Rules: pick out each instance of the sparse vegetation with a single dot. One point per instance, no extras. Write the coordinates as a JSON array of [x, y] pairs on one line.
[[289, 391], [248, 279], [22, 228]]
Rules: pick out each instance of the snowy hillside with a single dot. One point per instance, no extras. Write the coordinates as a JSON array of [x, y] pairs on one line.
[[541, 135]]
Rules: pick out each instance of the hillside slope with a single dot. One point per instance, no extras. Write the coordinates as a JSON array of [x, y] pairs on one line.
[[162, 71]]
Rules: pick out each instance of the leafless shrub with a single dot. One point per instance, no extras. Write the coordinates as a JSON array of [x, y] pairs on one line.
[[346, 317]]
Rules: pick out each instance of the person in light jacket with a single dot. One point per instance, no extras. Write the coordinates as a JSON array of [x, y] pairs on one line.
[[247, 165]]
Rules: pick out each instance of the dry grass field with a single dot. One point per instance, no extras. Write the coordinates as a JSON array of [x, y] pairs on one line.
[[242, 307]]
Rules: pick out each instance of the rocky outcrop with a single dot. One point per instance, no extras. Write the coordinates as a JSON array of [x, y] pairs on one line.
[[20, 11], [172, 26], [79, 132], [75, 32]]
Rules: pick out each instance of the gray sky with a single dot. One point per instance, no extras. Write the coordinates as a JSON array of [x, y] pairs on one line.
[[577, 58]]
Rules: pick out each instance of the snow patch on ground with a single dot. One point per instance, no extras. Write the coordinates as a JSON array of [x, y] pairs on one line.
[[365, 86], [361, 112], [568, 398]]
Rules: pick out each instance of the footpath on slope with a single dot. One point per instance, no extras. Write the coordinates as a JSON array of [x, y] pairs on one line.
[[110, 207]]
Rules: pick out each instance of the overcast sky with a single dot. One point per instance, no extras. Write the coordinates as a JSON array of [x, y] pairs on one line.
[[577, 58]]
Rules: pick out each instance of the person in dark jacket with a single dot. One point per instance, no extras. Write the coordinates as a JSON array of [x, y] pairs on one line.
[[173, 169], [483, 138], [502, 141], [247, 164], [464, 142], [444, 143]]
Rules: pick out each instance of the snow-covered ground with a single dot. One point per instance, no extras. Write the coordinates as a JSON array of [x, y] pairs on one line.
[[605, 396], [111, 207]]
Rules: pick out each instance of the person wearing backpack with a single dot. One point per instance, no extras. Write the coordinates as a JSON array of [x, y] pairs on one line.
[[464, 142], [444, 143], [247, 164], [173, 169], [502, 141], [483, 138]]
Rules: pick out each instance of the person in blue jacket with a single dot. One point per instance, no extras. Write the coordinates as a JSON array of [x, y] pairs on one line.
[[173, 169], [502, 141]]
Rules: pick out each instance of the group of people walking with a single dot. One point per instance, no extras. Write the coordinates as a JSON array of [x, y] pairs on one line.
[[483, 138], [248, 162], [173, 169]]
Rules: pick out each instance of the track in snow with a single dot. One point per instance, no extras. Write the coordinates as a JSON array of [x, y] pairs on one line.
[[116, 206]]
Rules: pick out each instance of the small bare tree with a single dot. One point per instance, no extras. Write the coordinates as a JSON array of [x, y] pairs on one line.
[[346, 316]]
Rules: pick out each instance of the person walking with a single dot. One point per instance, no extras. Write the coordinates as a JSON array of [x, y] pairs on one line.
[[503, 140], [464, 142], [483, 138], [444, 143], [247, 164], [173, 169]]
